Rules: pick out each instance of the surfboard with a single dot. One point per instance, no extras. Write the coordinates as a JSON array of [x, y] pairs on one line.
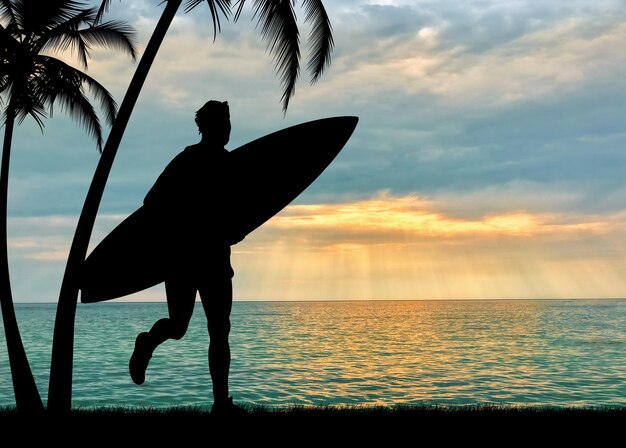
[[269, 173]]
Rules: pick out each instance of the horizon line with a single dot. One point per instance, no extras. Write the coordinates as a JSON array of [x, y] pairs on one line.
[[115, 301]]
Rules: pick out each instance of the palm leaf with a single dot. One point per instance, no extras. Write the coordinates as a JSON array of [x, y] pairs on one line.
[[55, 67], [8, 48], [65, 87], [36, 110], [35, 17], [33, 89], [239, 4], [320, 38], [77, 105], [68, 35], [104, 7], [215, 6], [279, 29], [113, 34], [28, 98], [7, 12]]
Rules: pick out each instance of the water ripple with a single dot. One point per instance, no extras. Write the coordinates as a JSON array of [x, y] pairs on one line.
[[454, 353]]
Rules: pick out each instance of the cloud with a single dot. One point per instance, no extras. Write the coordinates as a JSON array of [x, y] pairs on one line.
[[544, 63], [548, 59], [495, 129], [406, 220], [406, 248], [383, 247], [436, 111]]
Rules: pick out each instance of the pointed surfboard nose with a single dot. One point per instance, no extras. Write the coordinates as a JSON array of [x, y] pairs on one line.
[[341, 127], [348, 121]]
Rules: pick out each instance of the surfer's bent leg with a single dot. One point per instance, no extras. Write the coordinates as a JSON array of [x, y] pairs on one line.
[[217, 302], [181, 298]]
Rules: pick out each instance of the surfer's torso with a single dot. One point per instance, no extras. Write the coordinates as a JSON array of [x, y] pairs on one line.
[[192, 179], [187, 203]]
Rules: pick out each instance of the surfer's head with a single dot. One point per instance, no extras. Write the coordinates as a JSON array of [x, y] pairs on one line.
[[213, 120]]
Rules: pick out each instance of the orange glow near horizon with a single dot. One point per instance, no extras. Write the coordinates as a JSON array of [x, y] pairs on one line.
[[405, 248], [418, 217]]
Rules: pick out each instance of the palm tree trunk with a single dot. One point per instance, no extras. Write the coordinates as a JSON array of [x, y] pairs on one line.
[[27, 396], [60, 390]]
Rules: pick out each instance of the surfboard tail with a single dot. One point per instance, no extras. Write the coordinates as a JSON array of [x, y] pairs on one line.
[[85, 297]]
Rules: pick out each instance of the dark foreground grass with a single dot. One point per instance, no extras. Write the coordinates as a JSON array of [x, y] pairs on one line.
[[421, 425], [363, 413]]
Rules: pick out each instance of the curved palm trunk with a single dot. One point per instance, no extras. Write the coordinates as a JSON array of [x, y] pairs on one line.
[[60, 390], [27, 396]]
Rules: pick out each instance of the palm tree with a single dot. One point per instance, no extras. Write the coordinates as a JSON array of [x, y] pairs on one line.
[[279, 29], [31, 82]]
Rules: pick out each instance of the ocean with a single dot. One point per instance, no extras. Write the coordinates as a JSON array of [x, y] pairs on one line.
[[535, 352]]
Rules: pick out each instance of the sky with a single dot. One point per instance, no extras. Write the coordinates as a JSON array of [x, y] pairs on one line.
[[488, 161]]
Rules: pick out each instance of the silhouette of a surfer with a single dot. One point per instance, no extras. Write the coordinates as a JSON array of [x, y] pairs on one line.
[[185, 204]]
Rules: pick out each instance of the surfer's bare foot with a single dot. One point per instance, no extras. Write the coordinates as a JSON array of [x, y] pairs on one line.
[[227, 408], [140, 359]]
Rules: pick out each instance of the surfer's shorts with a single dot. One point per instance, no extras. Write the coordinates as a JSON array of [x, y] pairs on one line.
[[200, 266]]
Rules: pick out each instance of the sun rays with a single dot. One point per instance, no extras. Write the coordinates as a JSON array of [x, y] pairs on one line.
[[404, 247]]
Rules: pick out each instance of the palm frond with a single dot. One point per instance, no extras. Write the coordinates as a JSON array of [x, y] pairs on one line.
[[34, 18], [5, 79], [6, 7], [115, 34], [20, 95], [67, 35], [107, 103], [7, 13], [240, 4], [56, 12], [5, 35], [36, 111], [104, 7], [58, 72], [279, 29], [215, 6], [32, 83], [26, 99], [13, 15], [321, 41], [77, 105], [8, 45], [65, 87]]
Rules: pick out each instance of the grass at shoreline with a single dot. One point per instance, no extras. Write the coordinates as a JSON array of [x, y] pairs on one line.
[[295, 426], [345, 411]]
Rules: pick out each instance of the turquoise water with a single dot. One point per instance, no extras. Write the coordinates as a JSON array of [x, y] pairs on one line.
[[566, 352]]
